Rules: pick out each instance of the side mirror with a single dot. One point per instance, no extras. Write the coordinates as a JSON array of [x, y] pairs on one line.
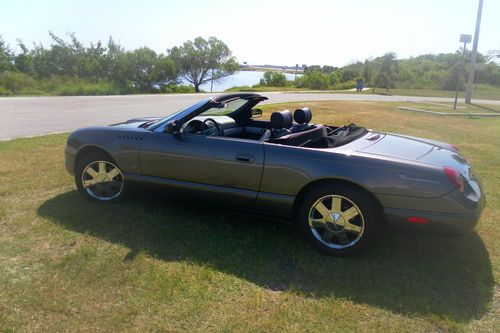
[[172, 127], [256, 113]]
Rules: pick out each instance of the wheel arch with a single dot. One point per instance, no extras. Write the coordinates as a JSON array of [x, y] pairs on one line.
[[336, 181], [84, 151]]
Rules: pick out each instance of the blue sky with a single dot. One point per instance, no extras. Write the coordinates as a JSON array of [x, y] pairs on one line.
[[262, 32]]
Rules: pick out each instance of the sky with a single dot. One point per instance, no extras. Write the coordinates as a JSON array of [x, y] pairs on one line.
[[324, 32]]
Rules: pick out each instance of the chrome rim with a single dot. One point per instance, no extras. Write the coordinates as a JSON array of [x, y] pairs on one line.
[[336, 221], [102, 180]]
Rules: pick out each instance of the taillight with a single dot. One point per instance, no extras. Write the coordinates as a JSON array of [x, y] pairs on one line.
[[455, 178]]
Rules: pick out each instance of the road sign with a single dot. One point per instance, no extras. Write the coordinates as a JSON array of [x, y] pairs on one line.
[[465, 38]]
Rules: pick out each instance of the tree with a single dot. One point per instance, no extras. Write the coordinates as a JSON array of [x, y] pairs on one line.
[[147, 71], [367, 71], [24, 60], [273, 79], [5, 56], [388, 72], [201, 61], [316, 80]]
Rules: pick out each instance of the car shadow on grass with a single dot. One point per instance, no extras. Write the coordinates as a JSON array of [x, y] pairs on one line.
[[444, 277]]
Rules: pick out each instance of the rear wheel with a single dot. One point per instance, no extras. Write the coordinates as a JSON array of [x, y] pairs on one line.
[[98, 179], [338, 219]]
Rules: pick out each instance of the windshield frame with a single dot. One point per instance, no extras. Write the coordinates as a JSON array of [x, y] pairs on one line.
[[206, 104]]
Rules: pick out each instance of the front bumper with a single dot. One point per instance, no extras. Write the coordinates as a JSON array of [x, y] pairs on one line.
[[69, 159]]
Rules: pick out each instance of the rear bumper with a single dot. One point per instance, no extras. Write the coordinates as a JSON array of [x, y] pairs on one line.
[[444, 224]]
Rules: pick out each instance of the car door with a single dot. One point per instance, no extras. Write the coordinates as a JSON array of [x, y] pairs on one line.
[[211, 168]]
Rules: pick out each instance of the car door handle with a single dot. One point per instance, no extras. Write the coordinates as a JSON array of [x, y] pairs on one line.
[[245, 158]]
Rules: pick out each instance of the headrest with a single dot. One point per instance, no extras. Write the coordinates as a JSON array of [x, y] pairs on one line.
[[281, 119], [302, 115]]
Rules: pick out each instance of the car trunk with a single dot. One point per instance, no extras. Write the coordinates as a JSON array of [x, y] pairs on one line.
[[422, 150]]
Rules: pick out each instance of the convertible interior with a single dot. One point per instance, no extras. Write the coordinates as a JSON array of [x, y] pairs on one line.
[[283, 128]]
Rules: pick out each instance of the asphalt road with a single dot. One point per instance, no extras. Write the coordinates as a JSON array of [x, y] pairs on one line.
[[29, 116]]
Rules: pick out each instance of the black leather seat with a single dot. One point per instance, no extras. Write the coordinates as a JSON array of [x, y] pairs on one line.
[[281, 122], [300, 133], [302, 118]]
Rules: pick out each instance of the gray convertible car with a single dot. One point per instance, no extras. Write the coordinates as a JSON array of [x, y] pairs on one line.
[[341, 184]]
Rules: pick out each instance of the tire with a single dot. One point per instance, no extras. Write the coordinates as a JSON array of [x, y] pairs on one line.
[[99, 179], [337, 219]]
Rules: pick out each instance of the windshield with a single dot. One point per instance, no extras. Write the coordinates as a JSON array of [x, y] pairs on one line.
[[225, 108], [177, 115]]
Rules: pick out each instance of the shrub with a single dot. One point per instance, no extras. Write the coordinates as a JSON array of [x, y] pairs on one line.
[[273, 79], [177, 89], [316, 80], [86, 88], [16, 82]]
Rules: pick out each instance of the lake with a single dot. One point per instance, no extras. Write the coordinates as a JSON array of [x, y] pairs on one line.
[[241, 78]]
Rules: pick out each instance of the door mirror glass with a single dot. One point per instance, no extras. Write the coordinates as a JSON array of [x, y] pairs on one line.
[[256, 113], [172, 127]]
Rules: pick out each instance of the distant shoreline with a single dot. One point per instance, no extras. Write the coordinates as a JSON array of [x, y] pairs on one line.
[[271, 69]]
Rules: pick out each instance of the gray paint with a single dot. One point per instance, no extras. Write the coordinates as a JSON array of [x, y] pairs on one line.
[[404, 174]]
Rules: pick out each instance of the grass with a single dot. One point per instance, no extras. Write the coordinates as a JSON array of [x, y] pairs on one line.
[[161, 265], [446, 107], [481, 92]]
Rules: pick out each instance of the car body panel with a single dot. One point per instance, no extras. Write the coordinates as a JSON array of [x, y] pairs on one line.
[[207, 160]]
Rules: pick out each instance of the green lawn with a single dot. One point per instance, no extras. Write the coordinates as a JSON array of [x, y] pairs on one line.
[[160, 265], [482, 91], [445, 107]]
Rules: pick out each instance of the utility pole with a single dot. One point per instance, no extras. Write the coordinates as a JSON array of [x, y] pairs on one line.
[[472, 70], [463, 39]]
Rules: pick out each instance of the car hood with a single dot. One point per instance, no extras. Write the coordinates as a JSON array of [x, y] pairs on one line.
[[138, 122], [421, 150]]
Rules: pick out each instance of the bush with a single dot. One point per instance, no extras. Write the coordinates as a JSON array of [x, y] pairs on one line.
[[345, 85], [177, 89], [4, 92], [18, 83], [315, 80], [273, 79], [83, 88]]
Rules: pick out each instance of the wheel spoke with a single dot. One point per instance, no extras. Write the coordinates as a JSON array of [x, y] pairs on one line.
[[350, 213], [89, 182], [102, 167], [327, 235], [336, 204], [91, 172], [113, 173], [352, 228], [342, 237], [317, 223], [320, 207]]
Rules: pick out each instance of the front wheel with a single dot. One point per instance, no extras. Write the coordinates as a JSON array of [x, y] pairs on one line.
[[98, 179], [338, 219]]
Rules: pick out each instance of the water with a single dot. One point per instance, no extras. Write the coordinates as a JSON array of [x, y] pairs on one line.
[[242, 78]]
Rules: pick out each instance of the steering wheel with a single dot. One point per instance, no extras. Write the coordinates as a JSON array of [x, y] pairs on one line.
[[211, 127]]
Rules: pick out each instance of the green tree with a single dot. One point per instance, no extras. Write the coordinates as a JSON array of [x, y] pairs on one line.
[[24, 60], [273, 79], [147, 71], [316, 80], [367, 71], [387, 75], [5, 56], [201, 61]]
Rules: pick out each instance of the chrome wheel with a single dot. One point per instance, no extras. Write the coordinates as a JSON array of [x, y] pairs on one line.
[[102, 180], [336, 221]]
